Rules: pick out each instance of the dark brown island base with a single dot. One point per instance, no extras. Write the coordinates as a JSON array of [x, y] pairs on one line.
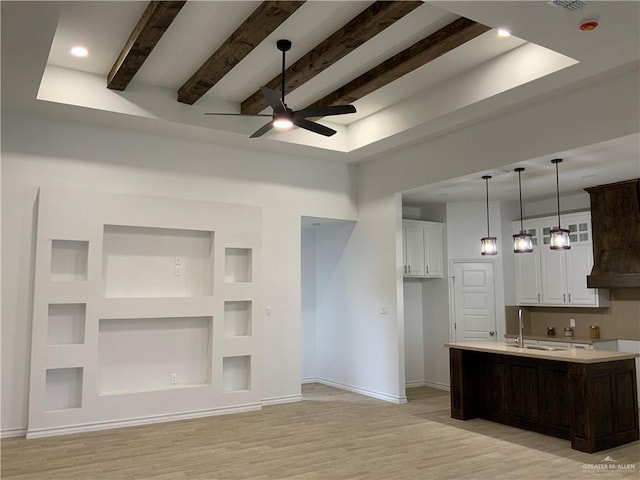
[[586, 396]]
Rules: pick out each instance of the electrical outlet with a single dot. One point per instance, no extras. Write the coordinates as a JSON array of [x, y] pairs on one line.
[[173, 378], [383, 310], [179, 261], [572, 322], [268, 311], [178, 270]]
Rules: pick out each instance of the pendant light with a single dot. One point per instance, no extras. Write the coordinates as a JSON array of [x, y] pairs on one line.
[[559, 236], [522, 242], [488, 244]]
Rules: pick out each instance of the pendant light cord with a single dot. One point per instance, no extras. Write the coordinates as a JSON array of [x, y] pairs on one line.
[[486, 182], [520, 190], [558, 193]]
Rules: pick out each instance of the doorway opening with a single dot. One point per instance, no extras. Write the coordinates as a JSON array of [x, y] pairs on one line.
[[323, 299]]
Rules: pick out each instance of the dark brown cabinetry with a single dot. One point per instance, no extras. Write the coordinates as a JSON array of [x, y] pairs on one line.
[[594, 405]]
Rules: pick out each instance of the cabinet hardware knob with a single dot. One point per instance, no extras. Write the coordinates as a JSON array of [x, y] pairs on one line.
[[569, 298], [492, 333], [564, 298]]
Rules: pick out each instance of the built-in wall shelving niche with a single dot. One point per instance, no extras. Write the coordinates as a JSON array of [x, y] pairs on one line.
[[156, 262], [236, 373], [63, 388], [238, 266], [149, 354], [66, 323], [69, 260], [237, 319]]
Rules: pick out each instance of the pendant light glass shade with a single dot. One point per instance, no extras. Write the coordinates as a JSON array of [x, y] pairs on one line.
[[559, 236], [488, 244], [522, 242]]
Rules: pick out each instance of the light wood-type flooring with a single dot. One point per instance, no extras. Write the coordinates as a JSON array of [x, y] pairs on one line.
[[330, 435]]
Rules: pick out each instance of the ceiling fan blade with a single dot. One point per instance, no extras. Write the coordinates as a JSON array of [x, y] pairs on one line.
[[314, 127], [262, 130], [325, 111], [240, 114], [273, 99]]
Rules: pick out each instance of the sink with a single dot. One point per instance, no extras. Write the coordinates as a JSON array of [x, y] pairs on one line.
[[539, 347]]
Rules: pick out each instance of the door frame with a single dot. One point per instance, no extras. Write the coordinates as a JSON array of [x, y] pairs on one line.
[[498, 298]]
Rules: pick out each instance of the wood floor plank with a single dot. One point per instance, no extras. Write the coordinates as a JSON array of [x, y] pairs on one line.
[[331, 435]]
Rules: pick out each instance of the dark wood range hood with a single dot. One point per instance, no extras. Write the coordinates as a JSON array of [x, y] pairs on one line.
[[615, 220]]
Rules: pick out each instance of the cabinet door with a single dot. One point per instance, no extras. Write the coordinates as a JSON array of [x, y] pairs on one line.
[[527, 267], [579, 263], [553, 276], [413, 249], [433, 250]]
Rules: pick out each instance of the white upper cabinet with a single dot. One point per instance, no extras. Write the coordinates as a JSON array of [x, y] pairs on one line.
[[422, 249], [527, 267], [558, 277]]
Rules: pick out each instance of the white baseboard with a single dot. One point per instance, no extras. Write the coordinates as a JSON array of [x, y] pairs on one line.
[[362, 391], [309, 380], [13, 432], [414, 384], [280, 400], [424, 383], [438, 386], [171, 417]]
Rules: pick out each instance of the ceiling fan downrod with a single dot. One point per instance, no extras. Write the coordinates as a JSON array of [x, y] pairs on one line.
[[284, 46]]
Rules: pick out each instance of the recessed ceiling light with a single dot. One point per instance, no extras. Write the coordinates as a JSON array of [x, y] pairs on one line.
[[79, 51], [503, 32]]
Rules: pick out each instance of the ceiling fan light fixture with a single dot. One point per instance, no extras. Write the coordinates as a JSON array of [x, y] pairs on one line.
[[282, 122], [284, 118]]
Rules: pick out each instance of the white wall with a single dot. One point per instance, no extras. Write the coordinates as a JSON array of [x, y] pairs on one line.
[[352, 288], [38, 151], [549, 206], [413, 332], [308, 302]]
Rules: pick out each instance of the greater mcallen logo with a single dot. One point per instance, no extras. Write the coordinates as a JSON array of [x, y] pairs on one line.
[[609, 466]]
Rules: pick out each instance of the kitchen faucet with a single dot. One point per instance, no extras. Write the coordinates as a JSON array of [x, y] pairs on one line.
[[520, 338]]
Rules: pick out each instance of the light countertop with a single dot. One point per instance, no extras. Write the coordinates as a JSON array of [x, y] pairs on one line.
[[573, 355], [562, 338]]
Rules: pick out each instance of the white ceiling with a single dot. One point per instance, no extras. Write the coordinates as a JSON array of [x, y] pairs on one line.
[[546, 53], [598, 164]]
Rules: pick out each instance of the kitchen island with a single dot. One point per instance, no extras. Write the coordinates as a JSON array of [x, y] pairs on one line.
[[586, 396]]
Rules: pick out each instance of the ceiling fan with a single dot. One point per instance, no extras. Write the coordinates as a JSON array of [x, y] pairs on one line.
[[284, 117]]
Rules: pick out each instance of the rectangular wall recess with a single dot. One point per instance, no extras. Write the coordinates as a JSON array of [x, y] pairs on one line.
[[146, 354], [63, 388], [69, 260], [236, 373], [238, 266], [237, 319], [156, 262], [66, 323]]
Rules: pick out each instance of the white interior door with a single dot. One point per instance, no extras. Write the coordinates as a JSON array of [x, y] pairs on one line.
[[474, 302]]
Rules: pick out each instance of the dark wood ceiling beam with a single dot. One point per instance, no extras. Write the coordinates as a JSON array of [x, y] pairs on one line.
[[145, 36], [260, 24], [361, 28], [419, 54]]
